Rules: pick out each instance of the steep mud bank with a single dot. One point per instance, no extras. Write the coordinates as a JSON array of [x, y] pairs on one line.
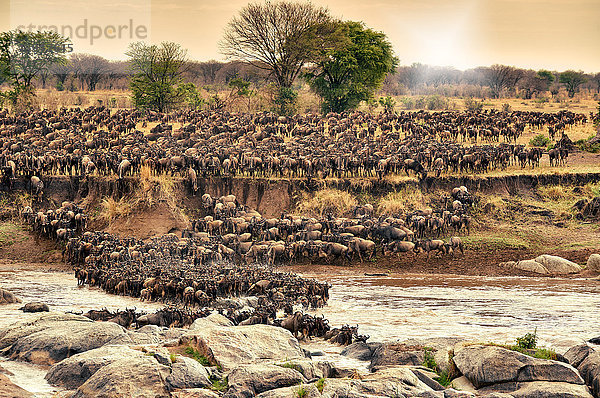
[[272, 197]]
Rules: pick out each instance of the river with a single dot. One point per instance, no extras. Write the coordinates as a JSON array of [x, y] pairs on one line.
[[491, 309]]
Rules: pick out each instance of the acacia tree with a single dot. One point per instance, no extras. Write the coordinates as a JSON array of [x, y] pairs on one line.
[[156, 71], [25, 55], [500, 77], [281, 38], [345, 76], [572, 80]]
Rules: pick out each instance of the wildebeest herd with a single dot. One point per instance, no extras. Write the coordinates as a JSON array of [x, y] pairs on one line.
[[97, 141]]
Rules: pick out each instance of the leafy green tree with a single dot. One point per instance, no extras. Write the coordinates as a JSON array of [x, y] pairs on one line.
[[25, 55], [157, 71], [572, 80], [191, 95], [345, 76]]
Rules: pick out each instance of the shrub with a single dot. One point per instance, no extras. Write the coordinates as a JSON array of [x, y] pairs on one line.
[[539, 140], [388, 103], [302, 392], [473, 105], [529, 341], [506, 108]]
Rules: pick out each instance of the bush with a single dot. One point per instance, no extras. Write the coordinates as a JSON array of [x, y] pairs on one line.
[[473, 105], [506, 108], [539, 140], [408, 103], [529, 341]]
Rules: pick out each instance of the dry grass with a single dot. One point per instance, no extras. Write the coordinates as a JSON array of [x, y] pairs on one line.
[[555, 192], [327, 201], [150, 191], [111, 210], [402, 201]]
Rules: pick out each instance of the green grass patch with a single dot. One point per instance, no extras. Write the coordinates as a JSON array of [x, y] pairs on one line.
[[302, 392], [290, 365], [195, 354], [483, 242], [219, 385], [320, 384], [444, 378]]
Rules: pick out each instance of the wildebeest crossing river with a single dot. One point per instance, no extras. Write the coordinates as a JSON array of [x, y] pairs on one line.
[[498, 309]]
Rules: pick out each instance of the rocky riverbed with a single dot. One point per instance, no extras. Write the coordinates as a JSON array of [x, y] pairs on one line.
[[214, 358]]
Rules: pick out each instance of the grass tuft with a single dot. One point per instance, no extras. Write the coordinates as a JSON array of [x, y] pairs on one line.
[[327, 201]]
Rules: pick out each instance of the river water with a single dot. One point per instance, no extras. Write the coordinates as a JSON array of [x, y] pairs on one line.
[[488, 309]]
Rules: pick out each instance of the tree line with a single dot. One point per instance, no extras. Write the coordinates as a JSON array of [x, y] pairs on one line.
[[281, 44]]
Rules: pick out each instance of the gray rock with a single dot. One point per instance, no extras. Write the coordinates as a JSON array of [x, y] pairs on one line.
[[389, 382], [452, 393], [35, 307], [72, 372], [393, 354], [485, 365], [360, 350], [538, 389], [129, 377], [188, 373], [50, 339], [248, 381], [593, 263], [194, 393], [558, 265], [151, 329], [575, 355], [11, 333], [213, 320], [590, 371], [7, 297], [234, 346], [531, 266], [310, 391], [428, 377], [308, 368]]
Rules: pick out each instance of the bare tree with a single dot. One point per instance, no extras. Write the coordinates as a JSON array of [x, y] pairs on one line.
[[278, 37], [501, 77], [89, 69], [61, 72]]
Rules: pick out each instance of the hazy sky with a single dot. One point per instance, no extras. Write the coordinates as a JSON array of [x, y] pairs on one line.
[[553, 34]]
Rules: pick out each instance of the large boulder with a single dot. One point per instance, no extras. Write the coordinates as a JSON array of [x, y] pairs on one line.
[[7, 297], [391, 382], [307, 391], [531, 266], [485, 365], [72, 372], [590, 371], [248, 381], [140, 377], [394, 353], [213, 320], [575, 355], [360, 350], [558, 265], [35, 307], [545, 265], [194, 393], [537, 389], [188, 373], [593, 263], [238, 345], [50, 338]]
